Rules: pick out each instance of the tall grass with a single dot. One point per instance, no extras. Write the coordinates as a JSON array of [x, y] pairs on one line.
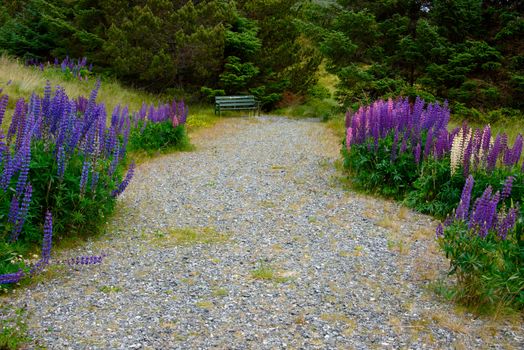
[[18, 81]]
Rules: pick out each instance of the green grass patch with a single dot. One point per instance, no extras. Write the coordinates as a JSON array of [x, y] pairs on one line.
[[188, 236], [266, 272], [13, 331]]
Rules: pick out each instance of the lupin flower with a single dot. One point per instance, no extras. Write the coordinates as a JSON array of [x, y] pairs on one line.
[[349, 136], [439, 232], [48, 237], [13, 211], [3, 106], [12, 277], [85, 174], [508, 223], [465, 199], [416, 153], [22, 213], [508, 184], [126, 181]]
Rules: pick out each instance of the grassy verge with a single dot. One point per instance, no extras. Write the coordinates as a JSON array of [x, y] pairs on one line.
[[18, 81]]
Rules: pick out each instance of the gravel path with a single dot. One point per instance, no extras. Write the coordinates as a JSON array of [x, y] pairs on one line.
[[251, 242]]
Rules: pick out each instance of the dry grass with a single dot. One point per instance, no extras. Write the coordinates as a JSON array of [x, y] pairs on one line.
[[388, 223], [26, 80]]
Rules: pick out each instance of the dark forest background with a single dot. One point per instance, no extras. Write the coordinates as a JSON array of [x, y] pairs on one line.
[[470, 52]]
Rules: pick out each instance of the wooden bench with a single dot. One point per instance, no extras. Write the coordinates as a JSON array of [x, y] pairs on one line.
[[236, 103]]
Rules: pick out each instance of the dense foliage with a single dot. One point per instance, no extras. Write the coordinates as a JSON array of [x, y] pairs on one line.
[[224, 46], [485, 245], [468, 51], [405, 151], [159, 129], [58, 157]]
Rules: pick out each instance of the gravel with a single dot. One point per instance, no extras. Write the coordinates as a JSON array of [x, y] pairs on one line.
[[284, 257]]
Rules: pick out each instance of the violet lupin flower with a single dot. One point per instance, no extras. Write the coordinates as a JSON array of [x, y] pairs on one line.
[[494, 154], [517, 148], [3, 106], [85, 174], [508, 184], [467, 158], [480, 207], [429, 144], [439, 232], [416, 153], [121, 188], [22, 213], [10, 278], [13, 211], [94, 180], [25, 159], [465, 199], [114, 161], [507, 224], [19, 113], [48, 238], [394, 146], [61, 162]]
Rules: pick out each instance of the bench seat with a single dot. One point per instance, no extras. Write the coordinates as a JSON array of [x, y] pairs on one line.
[[235, 103]]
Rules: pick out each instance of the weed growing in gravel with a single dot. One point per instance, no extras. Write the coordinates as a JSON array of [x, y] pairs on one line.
[[267, 273], [204, 304], [110, 289], [220, 292], [188, 236], [13, 331]]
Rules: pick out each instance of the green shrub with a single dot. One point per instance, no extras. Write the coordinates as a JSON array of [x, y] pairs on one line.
[[437, 192], [158, 137], [373, 170], [489, 270]]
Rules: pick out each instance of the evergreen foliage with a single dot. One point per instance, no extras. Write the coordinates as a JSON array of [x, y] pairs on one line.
[[239, 47], [467, 51]]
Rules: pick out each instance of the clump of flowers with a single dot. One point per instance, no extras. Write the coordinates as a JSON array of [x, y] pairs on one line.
[[419, 128], [75, 68], [45, 258], [483, 243], [475, 149], [387, 142], [157, 128], [58, 155]]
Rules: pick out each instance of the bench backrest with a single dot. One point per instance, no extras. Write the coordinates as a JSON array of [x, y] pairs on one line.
[[235, 100]]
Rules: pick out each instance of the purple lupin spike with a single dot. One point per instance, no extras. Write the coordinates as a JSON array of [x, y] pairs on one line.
[[22, 214], [125, 182], [508, 184], [12, 277], [416, 153], [465, 199]]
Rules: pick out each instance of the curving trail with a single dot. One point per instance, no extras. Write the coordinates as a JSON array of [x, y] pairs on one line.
[[275, 254]]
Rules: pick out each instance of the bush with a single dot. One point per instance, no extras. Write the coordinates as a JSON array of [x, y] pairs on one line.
[[161, 136], [486, 250], [387, 141], [437, 192], [160, 128], [376, 172]]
